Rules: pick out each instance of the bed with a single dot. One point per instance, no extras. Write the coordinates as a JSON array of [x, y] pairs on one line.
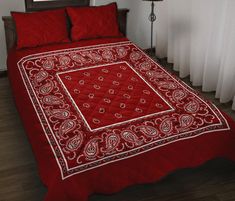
[[101, 115]]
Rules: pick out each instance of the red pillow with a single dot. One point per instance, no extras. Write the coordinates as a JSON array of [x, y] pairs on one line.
[[94, 22], [40, 28]]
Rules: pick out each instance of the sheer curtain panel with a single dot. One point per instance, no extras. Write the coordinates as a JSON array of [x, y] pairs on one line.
[[198, 37]]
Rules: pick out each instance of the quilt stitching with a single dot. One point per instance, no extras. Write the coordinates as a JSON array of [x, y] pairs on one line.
[[158, 108], [75, 147]]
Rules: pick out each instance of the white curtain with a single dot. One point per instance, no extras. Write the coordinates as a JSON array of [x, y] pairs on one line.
[[198, 36]]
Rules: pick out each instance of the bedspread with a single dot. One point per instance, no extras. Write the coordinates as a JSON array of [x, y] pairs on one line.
[[97, 109]]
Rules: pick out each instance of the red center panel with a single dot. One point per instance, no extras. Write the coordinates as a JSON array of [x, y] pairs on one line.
[[109, 95]]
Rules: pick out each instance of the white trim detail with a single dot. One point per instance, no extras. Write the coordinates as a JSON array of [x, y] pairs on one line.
[[119, 123], [66, 171]]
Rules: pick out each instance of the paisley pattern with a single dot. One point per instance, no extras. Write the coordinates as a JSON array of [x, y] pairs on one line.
[[166, 109], [74, 143], [64, 60], [107, 54], [78, 58], [192, 106], [48, 64], [185, 121], [178, 95], [166, 126], [149, 131], [130, 137], [40, 76], [112, 141], [46, 88], [91, 149], [52, 100], [59, 113], [66, 126], [135, 56], [121, 52], [146, 65]]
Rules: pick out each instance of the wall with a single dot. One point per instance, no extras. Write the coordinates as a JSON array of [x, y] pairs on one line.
[[138, 28], [5, 7]]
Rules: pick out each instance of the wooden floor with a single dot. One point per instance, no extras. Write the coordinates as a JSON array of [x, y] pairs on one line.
[[19, 180]]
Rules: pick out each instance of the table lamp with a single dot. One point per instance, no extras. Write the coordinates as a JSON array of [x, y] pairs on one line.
[[152, 18]]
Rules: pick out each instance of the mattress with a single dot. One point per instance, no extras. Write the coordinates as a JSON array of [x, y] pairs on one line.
[[102, 115]]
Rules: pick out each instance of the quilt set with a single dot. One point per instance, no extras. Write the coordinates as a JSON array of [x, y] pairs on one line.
[[98, 105]]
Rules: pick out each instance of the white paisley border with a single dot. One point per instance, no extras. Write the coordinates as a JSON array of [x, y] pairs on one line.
[[58, 154]]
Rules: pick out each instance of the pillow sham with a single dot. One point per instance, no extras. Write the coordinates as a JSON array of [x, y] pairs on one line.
[[40, 28], [94, 22]]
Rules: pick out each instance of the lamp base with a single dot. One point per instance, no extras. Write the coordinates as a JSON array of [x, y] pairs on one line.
[[150, 51]]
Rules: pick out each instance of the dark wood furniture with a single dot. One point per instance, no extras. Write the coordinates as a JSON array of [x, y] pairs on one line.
[[31, 5]]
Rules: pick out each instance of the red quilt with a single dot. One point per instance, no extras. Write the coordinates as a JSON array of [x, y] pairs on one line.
[[95, 112]]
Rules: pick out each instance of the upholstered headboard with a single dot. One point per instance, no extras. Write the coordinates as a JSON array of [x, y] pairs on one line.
[[36, 5]]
